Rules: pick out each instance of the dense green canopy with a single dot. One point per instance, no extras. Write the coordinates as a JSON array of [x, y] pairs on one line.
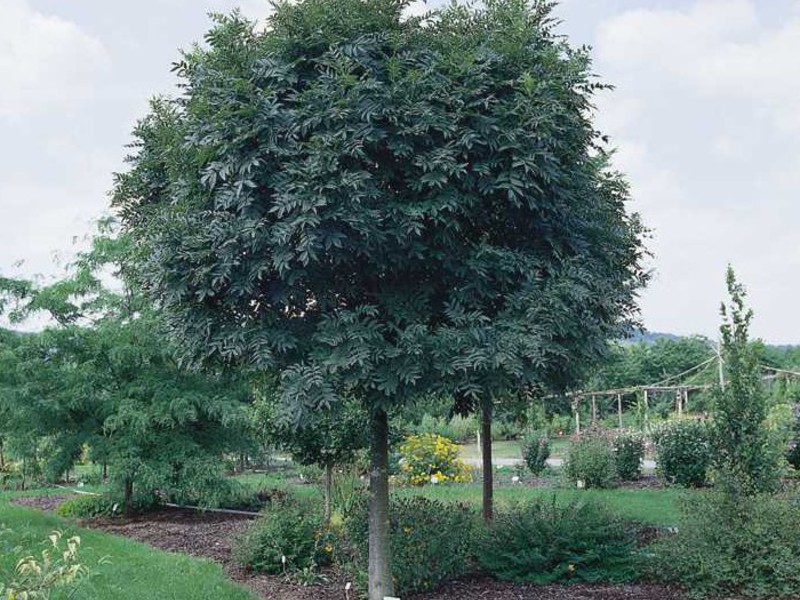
[[385, 203]]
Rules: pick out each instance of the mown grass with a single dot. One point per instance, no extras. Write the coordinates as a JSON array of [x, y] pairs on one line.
[[513, 449], [651, 506], [134, 571], [654, 507]]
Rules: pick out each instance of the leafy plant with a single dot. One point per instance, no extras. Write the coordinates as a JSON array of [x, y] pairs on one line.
[[283, 540], [543, 541], [725, 546], [628, 455], [432, 459], [683, 450], [536, 451], [430, 541], [57, 568], [590, 462], [89, 506]]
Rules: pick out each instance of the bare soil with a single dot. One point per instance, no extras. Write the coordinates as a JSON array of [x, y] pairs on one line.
[[211, 535]]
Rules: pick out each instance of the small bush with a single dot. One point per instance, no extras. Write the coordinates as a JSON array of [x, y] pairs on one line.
[[733, 546], [432, 458], [430, 541], [591, 461], [536, 451], [628, 455], [683, 453], [542, 542], [89, 507], [289, 530]]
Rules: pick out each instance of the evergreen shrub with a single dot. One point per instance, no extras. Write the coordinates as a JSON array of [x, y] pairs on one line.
[[543, 542]]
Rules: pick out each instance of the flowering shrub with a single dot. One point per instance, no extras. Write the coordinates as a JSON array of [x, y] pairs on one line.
[[431, 542], [432, 458]]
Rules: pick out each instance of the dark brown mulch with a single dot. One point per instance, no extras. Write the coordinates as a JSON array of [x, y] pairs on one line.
[[488, 589], [211, 535], [47, 503]]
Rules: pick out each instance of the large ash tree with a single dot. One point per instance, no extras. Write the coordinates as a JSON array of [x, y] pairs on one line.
[[384, 207]]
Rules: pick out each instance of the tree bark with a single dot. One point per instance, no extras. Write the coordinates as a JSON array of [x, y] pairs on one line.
[[486, 459], [128, 497], [380, 575], [328, 486]]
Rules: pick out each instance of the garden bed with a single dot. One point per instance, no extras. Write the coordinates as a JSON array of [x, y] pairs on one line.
[[210, 535]]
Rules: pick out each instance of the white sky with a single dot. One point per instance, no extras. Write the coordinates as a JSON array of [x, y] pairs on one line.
[[706, 117]]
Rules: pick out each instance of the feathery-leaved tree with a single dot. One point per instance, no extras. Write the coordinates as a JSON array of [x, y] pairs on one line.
[[103, 376], [385, 206]]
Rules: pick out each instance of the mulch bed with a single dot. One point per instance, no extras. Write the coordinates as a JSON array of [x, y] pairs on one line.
[[210, 535], [48, 503]]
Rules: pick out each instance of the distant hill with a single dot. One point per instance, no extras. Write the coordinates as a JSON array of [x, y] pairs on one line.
[[650, 337]]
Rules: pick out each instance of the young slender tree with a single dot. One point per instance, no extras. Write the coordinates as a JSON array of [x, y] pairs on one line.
[[388, 205], [746, 457]]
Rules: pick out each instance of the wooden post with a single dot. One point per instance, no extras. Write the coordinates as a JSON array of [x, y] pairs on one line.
[[679, 401], [646, 412], [686, 399], [594, 409], [619, 409], [577, 416]]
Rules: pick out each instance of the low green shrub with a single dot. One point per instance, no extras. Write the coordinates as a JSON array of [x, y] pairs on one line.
[[544, 542], [89, 507], [430, 541], [283, 540], [536, 451], [683, 452], [733, 546], [590, 462], [628, 455]]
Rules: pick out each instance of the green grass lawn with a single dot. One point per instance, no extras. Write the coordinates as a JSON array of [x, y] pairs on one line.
[[512, 449], [654, 507], [134, 571]]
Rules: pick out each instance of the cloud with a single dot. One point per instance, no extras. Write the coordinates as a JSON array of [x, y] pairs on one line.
[[45, 61], [718, 48]]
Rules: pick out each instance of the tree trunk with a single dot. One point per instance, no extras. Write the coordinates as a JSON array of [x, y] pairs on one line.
[[486, 458], [328, 485], [128, 497], [380, 575], [105, 472]]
